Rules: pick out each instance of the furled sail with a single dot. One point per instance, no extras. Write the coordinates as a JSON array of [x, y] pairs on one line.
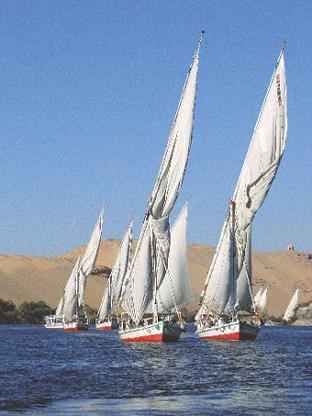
[[70, 294], [257, 174], [151, 256], [290, 311], [175, 289], [89, 258]]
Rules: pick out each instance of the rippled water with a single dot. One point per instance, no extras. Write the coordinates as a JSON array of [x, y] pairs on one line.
[[53, 372]]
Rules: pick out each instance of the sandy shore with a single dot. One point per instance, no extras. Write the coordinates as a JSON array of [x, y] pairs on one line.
[[26, 278]]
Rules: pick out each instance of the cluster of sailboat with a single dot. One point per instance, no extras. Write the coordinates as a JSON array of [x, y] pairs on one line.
[[261, 300], [148, 287]]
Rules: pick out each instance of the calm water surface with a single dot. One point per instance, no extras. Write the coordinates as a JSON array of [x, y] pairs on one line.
[[54, 373]]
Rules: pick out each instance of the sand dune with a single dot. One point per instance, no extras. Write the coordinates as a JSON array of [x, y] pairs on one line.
[[25, 278]]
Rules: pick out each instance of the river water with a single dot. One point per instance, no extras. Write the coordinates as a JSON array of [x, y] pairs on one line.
[[50, 372]]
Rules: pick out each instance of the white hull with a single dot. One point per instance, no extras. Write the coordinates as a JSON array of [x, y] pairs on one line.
[[56, 325], [104, 326], [51, 322], [107, 325], [232, 331], [162, 331]]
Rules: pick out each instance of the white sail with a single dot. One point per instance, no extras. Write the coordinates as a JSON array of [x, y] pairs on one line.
[[175, 289], [244, 294], [139, 288], [89, 258], [121, 265], [173, 166], [152, 252], [112, 291], [218, 295], [70, 294], [60, 309], [106, 304], [262, 302], [290, 311], [263, 157], [258, 296], [257, 174]]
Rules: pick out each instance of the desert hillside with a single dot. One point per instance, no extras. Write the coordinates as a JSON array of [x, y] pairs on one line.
[[25, 278]]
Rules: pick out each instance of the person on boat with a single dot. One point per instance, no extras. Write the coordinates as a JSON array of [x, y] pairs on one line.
[[221, 321], [210, 319], [207, 320], [257, 317]]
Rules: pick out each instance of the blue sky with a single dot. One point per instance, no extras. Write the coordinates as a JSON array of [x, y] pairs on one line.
[[88, 93]]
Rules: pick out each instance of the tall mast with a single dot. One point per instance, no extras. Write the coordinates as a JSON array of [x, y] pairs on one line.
[[110, 290], [232, 218], [154, 260], [77, 295]]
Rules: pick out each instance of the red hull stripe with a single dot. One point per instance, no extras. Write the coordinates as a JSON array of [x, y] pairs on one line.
[[104, 328], [232, 337], [75, 329], [153, 338]]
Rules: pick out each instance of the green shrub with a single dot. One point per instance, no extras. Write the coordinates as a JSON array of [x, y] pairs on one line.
[[33, 312], [8, 312]]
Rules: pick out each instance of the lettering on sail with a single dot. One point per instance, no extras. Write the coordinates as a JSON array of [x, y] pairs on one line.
[[279, 93]]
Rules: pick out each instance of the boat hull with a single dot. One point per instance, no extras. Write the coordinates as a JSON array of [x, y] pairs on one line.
[[107, 325], [104, 326], [158, 332], [232, 331], [56, 325], [75, 326], [51, 322]]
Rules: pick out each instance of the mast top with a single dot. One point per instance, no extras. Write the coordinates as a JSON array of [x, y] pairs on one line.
[[199, 43], [284, 45], [281, 53]]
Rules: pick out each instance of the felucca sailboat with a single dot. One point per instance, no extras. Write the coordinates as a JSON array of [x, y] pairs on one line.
[[258, 296], [150, 262], [262, 302], [74, 314], [112, 292], [226, 310], [290, 311], [56, 321], [174, 291]]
